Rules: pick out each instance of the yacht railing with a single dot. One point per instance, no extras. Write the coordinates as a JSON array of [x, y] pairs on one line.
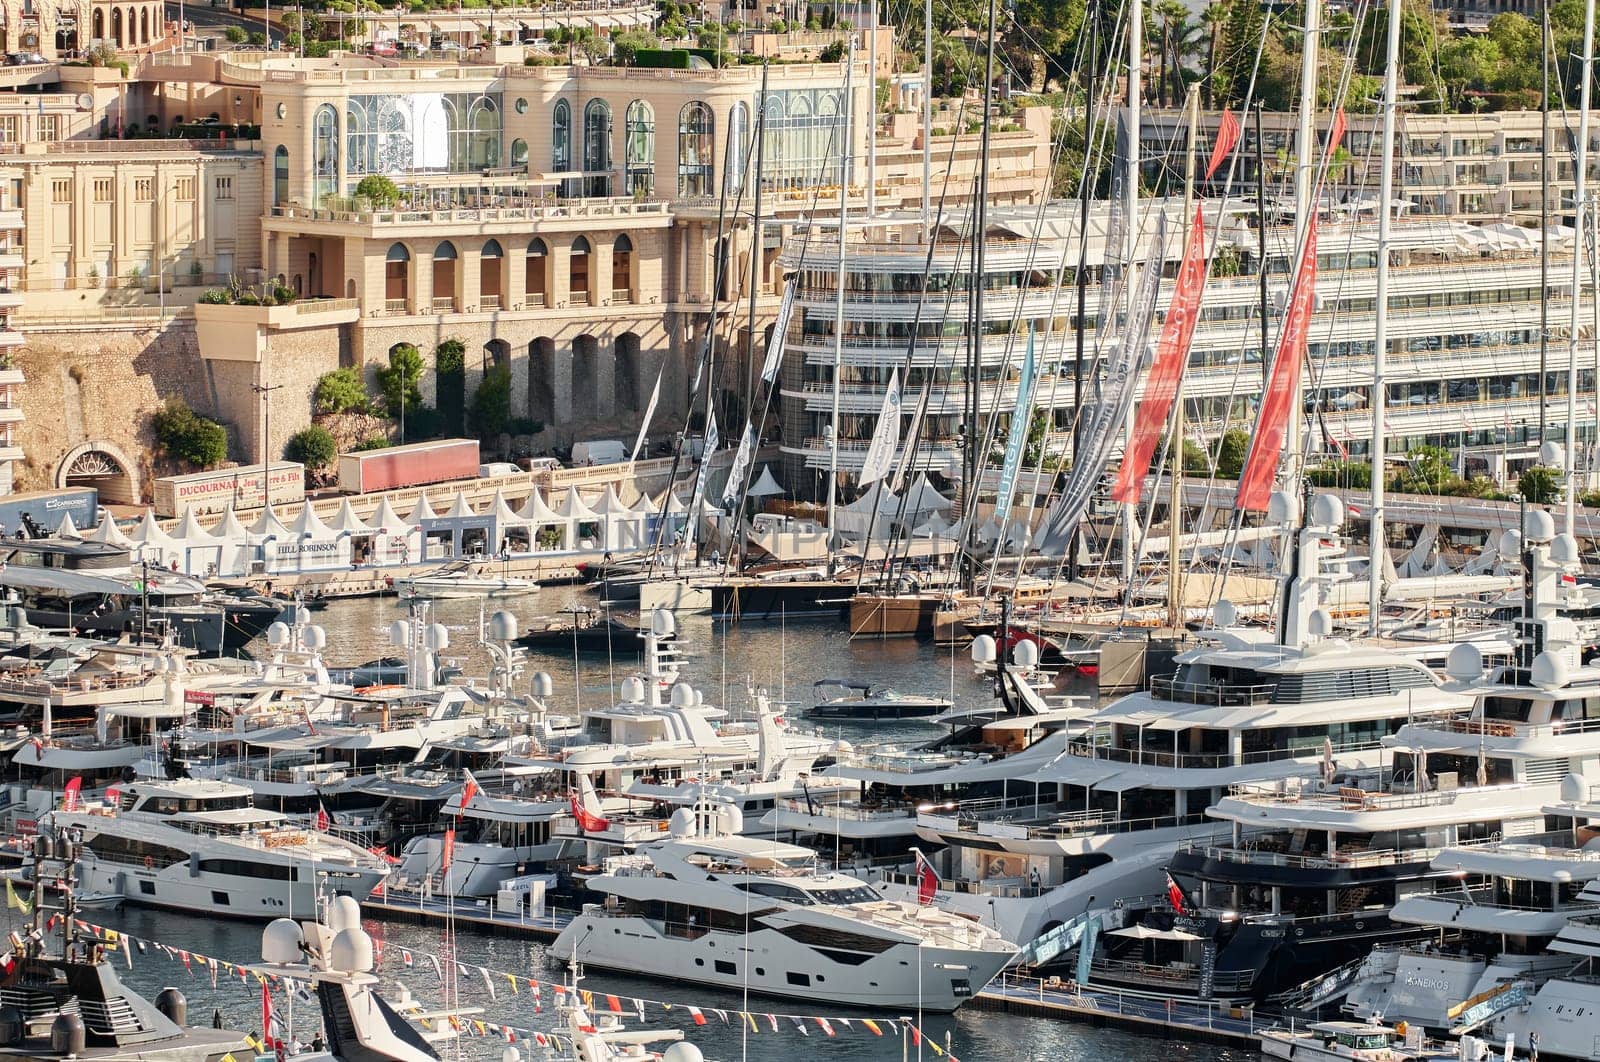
[[824, 809], [1206, 760], [1172, 975], [1217, 694], [1089, 822], [1502, 728], [1381, 857], [1352, 798]]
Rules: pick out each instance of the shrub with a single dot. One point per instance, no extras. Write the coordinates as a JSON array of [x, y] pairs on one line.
[[833, 53], [341, 391], [450, 383], [1540, 485], [491, 404], [235, 34], [380, 190], [1231, 451], [399, 378], [371, 442], [216, 297], [189, 437], [1351, 475], [312, 446]]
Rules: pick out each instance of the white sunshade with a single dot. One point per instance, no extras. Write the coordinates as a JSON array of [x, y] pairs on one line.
[[573, 507], [1144, 932], [110, 533], [610, 503], [923, 496], [190, 530], [348, 521], [422, 511], [385, 518], [537, 511], [501, 510], [149, 533], [229, 527], [268, 524], [767, 485]]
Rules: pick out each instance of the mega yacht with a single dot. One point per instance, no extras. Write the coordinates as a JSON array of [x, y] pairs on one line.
[[199, 846], [1311, 869], [708, 906], [1099, 820]]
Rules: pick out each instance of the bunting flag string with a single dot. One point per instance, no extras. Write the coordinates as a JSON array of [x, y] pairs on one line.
[[762, 1023]]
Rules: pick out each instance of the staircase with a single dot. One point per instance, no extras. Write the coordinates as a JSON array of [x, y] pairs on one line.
[[1321, 990], [1474, 1013]]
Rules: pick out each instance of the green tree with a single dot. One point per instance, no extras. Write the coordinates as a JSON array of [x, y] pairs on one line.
[[400, 378], [312, 446], [491, 403], [379, 190], [235, 34], [626, 46], [341, 391], [1540, 485], [450, 383], [1350, 475], [189, 437], [1231, 450], [1427, 470]]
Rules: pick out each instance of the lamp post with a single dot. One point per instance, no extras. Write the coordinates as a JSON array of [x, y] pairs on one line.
[[265, 391]]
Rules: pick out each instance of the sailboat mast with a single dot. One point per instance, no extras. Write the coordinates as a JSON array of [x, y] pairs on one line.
[[838, 302], [927, 116], [1305, 184], [1380, 339], [872, 112], [1578, 194], [980, 229], [1131, 230], [1175, 501]]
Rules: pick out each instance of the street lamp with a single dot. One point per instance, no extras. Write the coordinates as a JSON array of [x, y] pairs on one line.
[[265, 391]]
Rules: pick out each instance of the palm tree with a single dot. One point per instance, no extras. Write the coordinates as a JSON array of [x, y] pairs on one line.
[[1215, 17]]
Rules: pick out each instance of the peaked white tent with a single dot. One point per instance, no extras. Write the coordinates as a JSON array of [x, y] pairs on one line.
[[421, 512], [855, 518], [234, 550], [395, 540], [624, 529], [229, 527], [109, 533], [767, 485], [347, 521], [268, 525], [67, 529], [153, 545], [460, 508], [548, 530]]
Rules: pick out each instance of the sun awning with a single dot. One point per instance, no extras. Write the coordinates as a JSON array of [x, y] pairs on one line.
[[1144, 932], [231, 817]]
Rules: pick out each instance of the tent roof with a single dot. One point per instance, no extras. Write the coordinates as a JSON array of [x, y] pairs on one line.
[[229, 527], [888, 501], [109, 532], [67, 529], [610, 502], [190, 530], [149, 533], [385, 517], [923, 495], [502, 511], [268, 524], [767, 485], [460, 508], [422, 511], [573, 507], [536, 510], [309, 525], [347, 520]]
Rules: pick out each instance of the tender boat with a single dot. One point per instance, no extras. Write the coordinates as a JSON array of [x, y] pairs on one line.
[[459, 580], [843, 699], [1345, 1041]]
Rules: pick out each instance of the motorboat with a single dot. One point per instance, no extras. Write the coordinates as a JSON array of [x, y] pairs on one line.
[[199, 846], [706, 905], [1346, 1041], [845, 700], [462, 579]]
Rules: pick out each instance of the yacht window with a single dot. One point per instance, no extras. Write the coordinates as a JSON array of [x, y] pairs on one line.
[[1507, 709], [844, 897], [1579, 708], [787, 893]]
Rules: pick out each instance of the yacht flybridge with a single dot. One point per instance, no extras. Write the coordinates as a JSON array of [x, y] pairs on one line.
[[709, 906], [199, 846]]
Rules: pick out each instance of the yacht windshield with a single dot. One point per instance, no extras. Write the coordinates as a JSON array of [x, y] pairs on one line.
[[845, 897]]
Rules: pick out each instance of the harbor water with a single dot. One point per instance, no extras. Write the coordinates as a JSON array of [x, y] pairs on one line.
[[720, 659]]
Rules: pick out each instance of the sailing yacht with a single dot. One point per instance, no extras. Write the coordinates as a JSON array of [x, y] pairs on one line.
[[1133, 782], [199, 846], [709, 906]]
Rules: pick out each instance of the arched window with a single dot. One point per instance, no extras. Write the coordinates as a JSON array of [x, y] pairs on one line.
[[578, 271], [738, 137], [280, 176], [325, 152], [490, 268], [622, 269], [597, 148], [561, 137], [444, 277], [695, 148], [483, 134], [537, 281], [519, 152], [396, 278], [639, 149]]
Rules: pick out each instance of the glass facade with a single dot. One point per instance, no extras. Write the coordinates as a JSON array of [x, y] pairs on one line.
[[639, 149], [802, 137], [696, 146], [422, 132]]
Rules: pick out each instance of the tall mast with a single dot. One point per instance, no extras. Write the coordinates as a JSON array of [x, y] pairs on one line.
[[872, 111], [927, 115], [980, 228], [838, 302], [1175, 502], [1306, 150], [1131, 228], [1544, 222], [1578, 193], [1380, 339]]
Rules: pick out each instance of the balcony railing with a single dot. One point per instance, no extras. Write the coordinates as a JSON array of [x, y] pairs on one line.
[[489, 302], [443, 305], [394, 306]]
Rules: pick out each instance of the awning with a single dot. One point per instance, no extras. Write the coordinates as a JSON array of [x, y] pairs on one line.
[[231, 817], [1144, 932]]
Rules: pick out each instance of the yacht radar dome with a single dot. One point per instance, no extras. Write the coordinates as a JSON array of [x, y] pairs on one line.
[[1465, 663], [633, 690], [316, 638], [400, 633], [730, 820], [1549, 671], [1327, 511], [682, 695], [502, 627], [1511, 544], [1025, 654], [1321, 623], [438, 638], [278, 634], [682, 1051], [1541, 526], [511, 1054], [541, 684], [983, 651], [1564, 549], [1551, 454], [1224, 614], [681, 824], [662, 623], [351, 951], [345, 913], [280, 942], [1282, 508], [1574, 789]]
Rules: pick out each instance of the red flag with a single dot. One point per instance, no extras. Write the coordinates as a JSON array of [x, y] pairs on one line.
[[323, 822], [1336, 134], [1174, 895], [699, 1018], [469, 789], [266, 1015], [449, 849], [71, 796], [588, 822], [1283, 387], [1227, 140], [614, 1004], [927, 879], [1172, 354]]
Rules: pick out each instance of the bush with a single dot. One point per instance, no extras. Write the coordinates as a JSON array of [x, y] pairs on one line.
[[341, 391], [1540, 485], [399, 378], [235, 34], [379, 190], [1231, 451], [216, 297], [833, 53], [372, 442], [189, 437], [312, 446], [1351, 475], [450, 383], [491, 405]]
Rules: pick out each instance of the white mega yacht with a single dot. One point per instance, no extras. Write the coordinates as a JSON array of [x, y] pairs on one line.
[[709, 906], [1098, 822], [199, 846]]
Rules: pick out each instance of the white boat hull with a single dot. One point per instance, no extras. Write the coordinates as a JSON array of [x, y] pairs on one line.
[[217, 894]]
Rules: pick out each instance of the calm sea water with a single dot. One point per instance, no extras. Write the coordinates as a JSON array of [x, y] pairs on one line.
[[721, 660]]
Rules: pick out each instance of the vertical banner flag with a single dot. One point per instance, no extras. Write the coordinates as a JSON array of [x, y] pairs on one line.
[[705, 463], [741, 465], [927, 879], [1021, 420], [1227, 140], [1116, 234], [1172, 352], [769, 368], [649, 412], [885, 435]]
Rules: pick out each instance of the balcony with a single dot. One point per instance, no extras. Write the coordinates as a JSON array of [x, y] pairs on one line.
[[447, 305], [223, 329], [395, 306], [489, 302]]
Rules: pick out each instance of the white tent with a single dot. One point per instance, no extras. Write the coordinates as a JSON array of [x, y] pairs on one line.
[[348, 522], [421, 512], [548, 530], [460, 508], [924, 497], [853, 519], [767, 485], [67, 529], [229, 527], [108, 532], [573, 506], [268, 525], [510, 531], [189, 529], [386, 521], [306, 545], [154, 545], [395, 540], [309, 525], [204, 554], [231, 546], [624, 528]]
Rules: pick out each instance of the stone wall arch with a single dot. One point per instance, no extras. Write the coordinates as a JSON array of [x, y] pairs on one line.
[[102, 464]]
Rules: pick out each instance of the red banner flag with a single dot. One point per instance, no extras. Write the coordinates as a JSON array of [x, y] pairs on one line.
[[588, 822], [72, 796], [1172, 352], [1227, 140], [449, 849], [1283, 387], [927, 879], [1174, 895]]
